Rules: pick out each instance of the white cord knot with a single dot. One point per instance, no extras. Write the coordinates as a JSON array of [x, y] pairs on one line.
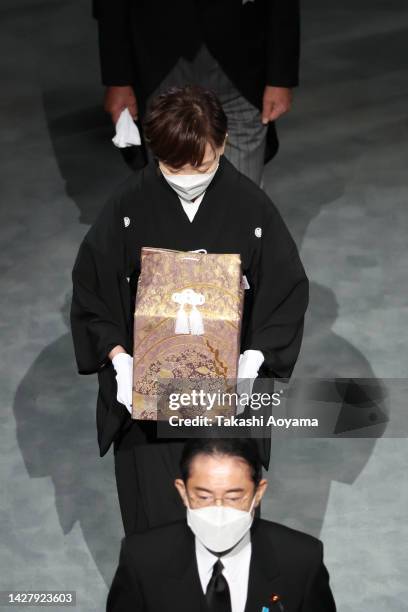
[[193, 322]]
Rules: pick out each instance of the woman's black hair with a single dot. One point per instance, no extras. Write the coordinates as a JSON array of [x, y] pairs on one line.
[[243, 448], [181, 121]]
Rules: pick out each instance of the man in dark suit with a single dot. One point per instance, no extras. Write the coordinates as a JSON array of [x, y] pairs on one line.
[[247, 51], [221, 559]]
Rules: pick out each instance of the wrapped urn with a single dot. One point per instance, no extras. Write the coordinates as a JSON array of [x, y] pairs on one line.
[[187, 328]]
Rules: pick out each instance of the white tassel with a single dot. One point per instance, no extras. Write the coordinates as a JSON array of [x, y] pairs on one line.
[[181, 326], [192, 323], [196, 322]]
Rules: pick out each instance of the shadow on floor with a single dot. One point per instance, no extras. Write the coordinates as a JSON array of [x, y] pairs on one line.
[[88, 161], [302, 469], [56, 431]]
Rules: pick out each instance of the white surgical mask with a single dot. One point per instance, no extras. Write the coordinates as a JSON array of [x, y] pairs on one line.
[[190, 186], [219, 528]]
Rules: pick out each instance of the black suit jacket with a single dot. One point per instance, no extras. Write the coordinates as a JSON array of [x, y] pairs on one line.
[[256, 42], [158, 572]]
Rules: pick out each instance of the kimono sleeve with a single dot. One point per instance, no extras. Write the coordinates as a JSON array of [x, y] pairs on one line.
[[281, 294], [99, 317]]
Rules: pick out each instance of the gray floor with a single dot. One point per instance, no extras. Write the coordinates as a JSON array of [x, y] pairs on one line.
[[340, 182]]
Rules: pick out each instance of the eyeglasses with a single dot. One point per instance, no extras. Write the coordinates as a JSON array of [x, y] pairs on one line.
[[203, 500]]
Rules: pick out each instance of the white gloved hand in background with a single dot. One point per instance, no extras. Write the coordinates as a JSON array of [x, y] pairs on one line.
[[248, 367], [123, 365]]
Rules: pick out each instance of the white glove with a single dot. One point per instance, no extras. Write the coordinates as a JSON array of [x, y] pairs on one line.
[[127, 133], [249, 363], [248, 366], [123, 364]]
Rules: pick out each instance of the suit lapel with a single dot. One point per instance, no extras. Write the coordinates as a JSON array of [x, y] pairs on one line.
[[181, 584], [264, 577]]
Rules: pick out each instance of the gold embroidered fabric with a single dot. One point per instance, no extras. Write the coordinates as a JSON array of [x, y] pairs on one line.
[[187, 324]]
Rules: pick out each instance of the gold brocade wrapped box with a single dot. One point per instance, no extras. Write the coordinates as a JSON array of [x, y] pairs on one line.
[[187, 328]]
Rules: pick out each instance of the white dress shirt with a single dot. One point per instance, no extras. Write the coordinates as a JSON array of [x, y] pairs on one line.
[[236, 570]]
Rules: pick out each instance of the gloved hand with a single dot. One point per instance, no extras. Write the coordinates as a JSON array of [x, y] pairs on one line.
[[248, 366], [249, 363], [123, 365]]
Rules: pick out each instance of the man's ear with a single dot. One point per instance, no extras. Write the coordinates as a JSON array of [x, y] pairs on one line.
[[181, 488], [260, 491]]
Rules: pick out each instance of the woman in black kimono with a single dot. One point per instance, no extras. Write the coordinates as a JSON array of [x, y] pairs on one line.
[[188, 198]]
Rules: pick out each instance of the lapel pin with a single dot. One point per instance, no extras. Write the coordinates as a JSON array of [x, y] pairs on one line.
[[275, 599]]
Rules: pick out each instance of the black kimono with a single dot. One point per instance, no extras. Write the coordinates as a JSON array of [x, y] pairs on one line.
[[235, 216]]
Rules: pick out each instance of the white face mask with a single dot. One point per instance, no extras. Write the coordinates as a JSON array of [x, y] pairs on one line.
[[219, 528], [189, 186]]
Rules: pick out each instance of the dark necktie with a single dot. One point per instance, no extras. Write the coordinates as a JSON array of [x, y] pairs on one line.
[[217, 593]]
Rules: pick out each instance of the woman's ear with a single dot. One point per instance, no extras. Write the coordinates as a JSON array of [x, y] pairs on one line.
[[224, 143], [181, 488]]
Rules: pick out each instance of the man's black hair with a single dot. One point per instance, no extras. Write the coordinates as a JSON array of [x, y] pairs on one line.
[[243, 448]]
